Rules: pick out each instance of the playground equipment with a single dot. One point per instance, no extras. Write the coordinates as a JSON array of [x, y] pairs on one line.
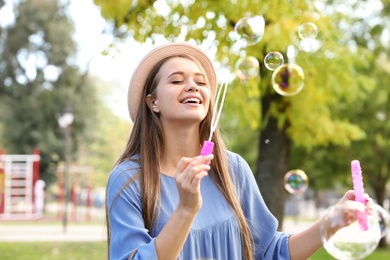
[[79, 176], [18, 176]]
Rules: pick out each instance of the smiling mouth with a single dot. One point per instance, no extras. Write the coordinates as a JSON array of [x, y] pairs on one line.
[[191, 101]]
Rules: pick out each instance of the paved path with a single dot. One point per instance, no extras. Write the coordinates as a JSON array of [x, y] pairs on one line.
[[50, 228], [12, 232], [52, 232]]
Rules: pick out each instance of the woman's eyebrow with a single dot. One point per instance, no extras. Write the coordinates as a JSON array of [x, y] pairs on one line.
[[182, 73]]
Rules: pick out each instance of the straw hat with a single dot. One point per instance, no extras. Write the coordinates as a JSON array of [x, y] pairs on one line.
[[137, 82]]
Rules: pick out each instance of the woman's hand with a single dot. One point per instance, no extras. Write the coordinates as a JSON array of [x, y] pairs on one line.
[[346, 211], [188, 174], [350, 195]]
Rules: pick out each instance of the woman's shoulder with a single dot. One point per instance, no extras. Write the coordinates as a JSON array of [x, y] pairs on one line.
[[238, 167], [125, 170], [235, 159]]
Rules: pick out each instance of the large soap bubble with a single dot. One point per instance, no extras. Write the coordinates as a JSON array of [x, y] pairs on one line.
[[342, 235], [288, 79], [383, 218], [250, 30]]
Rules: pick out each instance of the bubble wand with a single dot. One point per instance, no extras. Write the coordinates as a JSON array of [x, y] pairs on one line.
[[358, 188], [208, 146]]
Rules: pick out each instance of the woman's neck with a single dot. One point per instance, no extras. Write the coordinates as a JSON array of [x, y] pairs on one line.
[[179, 142]]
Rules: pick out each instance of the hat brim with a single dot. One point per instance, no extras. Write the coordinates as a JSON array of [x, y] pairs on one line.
[[142, 71]]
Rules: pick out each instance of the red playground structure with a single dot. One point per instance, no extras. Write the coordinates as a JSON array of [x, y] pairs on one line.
[[18, 175]]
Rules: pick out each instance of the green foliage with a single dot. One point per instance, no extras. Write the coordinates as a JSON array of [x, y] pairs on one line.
[[39, 78], [329, 164], [106, 138], [310, 113]]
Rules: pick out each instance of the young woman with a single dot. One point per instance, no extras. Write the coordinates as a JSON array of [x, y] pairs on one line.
[[164, 201]]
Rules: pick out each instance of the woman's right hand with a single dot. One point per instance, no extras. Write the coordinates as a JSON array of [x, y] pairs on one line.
[[188, 174]]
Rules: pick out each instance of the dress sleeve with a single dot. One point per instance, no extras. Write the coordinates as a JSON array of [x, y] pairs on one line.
[[268, 242], [128, 232]]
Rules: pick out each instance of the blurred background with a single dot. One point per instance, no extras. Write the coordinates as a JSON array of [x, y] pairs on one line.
[[65, 67]]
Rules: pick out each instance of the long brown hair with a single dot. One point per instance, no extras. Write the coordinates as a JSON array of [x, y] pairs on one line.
[[146, 140]]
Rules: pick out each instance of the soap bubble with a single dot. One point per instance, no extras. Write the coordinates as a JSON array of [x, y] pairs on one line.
[[288, 79], [383, 219], [247, 67], [295, 181], [307, 31], [250, 30], [273, 60], [342, 235]]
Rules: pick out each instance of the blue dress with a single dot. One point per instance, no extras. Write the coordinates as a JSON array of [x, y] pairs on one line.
[[215, 232]]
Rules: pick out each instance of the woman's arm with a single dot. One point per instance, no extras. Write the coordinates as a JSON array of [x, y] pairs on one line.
[[188, 175], [128, 233], [305, 243]]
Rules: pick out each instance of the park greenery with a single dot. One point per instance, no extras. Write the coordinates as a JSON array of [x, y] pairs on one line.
[[341, 114], [40, 77]]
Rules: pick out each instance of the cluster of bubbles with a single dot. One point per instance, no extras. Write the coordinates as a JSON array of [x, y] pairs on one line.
[[287, 79]]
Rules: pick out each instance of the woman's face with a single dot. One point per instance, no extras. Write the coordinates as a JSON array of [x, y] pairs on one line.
[[182, 93]]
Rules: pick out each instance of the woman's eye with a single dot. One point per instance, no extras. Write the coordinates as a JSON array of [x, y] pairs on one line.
[[177, 81], [201, 83]]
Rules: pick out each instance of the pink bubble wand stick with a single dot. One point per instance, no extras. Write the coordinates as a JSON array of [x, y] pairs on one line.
[[357, 180], [208, 146]]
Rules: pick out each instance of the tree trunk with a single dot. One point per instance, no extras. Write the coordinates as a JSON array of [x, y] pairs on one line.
[[272, 163]]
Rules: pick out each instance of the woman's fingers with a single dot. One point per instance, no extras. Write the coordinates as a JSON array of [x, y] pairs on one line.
[[185, 164], [349, 195], [189, 173], [191, 179], [190, 168]]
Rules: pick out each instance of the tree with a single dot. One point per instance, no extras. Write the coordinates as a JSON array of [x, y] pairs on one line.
[[370, 113], [39, 77], [108, 137], [308, 119]]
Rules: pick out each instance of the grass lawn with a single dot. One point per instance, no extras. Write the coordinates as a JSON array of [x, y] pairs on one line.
[[53, 250], [378, 254]]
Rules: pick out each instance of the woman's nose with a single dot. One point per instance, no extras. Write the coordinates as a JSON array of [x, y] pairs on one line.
[[191, 86]]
